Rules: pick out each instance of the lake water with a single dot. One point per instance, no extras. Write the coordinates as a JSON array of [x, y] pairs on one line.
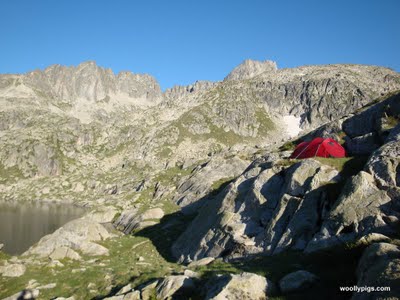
[[22, 225]]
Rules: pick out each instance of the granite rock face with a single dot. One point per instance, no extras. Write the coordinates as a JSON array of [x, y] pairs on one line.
[[265, 210], [278, 205]]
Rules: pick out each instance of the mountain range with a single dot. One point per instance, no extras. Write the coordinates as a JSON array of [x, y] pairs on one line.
[[201, 174]]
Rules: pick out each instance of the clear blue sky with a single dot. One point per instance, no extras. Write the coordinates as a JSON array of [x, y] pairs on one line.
[[179, 42]]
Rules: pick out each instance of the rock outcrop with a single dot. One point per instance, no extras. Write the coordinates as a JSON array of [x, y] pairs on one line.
[[131, 219], [246, 286], [379, 266], [297, 281], [80, 234], [12, 270], [281, 205]]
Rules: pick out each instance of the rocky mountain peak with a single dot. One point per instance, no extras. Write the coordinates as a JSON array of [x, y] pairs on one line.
[[250, 68], [179, 91], [90, 82]]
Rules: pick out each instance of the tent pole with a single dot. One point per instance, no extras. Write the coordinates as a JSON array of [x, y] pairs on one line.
[[303, 150]]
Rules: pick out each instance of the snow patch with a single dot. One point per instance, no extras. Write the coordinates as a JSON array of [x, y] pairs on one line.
[[292, 125]]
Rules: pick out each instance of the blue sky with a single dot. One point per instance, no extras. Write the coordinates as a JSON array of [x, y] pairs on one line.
[[179, 42]]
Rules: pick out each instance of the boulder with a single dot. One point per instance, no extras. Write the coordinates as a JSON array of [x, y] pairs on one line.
[[102, 215], [64, 252], [120, 297], [78, 234], [202, 262], [298, 177], [13, 270], [134, 295], [148, 291], [357, 212], [244, 286], [362, 145], [297, 281], [131, 219], [127, 288], [173, 285], [25, 294], [153, 213], [379, 266]]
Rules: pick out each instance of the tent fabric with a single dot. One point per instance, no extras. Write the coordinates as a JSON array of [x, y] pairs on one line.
[[319, 147]]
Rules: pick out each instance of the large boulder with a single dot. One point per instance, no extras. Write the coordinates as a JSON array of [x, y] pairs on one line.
[[297, 281], [79, 234], [132, 219], [30, 294], [173, 285], [379, 266], [244, 286], [12, 270], [369, 203]]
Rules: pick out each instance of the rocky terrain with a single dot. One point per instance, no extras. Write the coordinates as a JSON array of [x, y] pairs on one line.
[[190, 192]]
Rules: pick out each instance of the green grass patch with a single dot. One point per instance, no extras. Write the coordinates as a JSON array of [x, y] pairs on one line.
[[11, 174], [347, 166], [288, 146], [266, 124], [100, 273], [220, 184]]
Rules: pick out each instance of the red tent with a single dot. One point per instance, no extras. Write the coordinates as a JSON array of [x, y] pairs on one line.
[[319, 147]]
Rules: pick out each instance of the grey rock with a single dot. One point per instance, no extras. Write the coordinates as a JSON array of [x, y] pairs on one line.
[[384, 165], [173, 284], [299, 177], [191, 274], [379, 266], [134, 295], [201, 262], [153, 213], [149, 290], [102, 214], [25, 294], [47, 286], [64, 252], [242, 286], [394, 134], [201, 181], [78, 235], [357, 212], [178, 91], [12, 270], [127, 288], [120, 297], [297, 281], [362, 145], [131, 219], [256, 215]]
